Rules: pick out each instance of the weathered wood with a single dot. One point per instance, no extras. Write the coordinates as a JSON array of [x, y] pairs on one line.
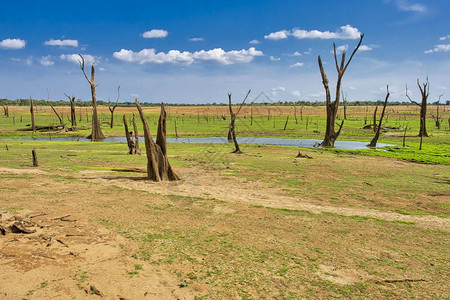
[[128, 135], [373, 142], [425, 92], [137, 149], [73, 119], [33, 124], [231, 131], [158, 166], [112, 108], [332, 107], [35, 160], [96, 133]]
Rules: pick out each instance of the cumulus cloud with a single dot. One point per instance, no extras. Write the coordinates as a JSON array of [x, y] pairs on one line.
[[61, 43], [75, 58], [439, 48], [297, 65], [254, 42], [12, 44], [296, 53], [279, 35], [177, 57], [443, 38], [46, 61], [155, 34], [273, 58], [197, 39], [345, 33]]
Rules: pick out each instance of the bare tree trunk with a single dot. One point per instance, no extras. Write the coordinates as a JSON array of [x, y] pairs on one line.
[[375, 119], [158, 167], [33, 125], [233, 115], [112, 108], [344, 101], [437, 120], [73, 117], [128, 135], [60, 118], [137, 150], [373, 142], [96, 133], [35, 161], [285, 124], [332, 107], [425, 91]]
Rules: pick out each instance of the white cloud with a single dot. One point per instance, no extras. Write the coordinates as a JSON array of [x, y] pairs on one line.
[[155, 34], [365, 48], [28, 61], [405, 5], [279, 89], [443, 38], [61, 43], [341, 49], [296, 53], [46, 61], [279, 35], [75, 58], [12, 44], [197, 39], [150, 56], [439, 48], [186, 57], [254, 42], [297, 65], [346, 32], [296, 93], [273, 58]]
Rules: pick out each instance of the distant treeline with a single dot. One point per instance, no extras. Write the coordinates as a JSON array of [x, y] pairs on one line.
[[80, 103]]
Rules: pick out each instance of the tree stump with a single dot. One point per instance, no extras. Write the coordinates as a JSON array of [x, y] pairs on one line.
[[158, 166]]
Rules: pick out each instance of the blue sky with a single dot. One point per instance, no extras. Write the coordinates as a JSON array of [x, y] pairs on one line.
[[198, 51]]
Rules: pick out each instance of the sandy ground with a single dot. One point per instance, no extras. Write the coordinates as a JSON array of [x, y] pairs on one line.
[[198, 183], [48, 253]]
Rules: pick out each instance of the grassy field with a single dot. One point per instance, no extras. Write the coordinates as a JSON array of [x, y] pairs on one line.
[[261, 225]]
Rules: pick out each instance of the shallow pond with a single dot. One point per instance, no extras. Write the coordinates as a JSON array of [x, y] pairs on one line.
[[306, 143]]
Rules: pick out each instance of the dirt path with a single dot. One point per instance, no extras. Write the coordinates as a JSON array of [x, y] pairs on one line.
[[210, 184]]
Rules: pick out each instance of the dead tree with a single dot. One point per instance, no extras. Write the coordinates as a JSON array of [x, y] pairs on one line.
[[424, 91], [34, 156], [232, 132], [60, 118], [96, 133], [6, 110], [128, 135], [373, 142], [158, 166], [137, 150], [437, 120], [332, 107], [344, 102], [73, 119], [111, 109], [375, 119], [33, 124]]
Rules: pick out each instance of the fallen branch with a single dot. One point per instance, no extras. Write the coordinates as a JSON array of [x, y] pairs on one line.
[[399, 280]]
